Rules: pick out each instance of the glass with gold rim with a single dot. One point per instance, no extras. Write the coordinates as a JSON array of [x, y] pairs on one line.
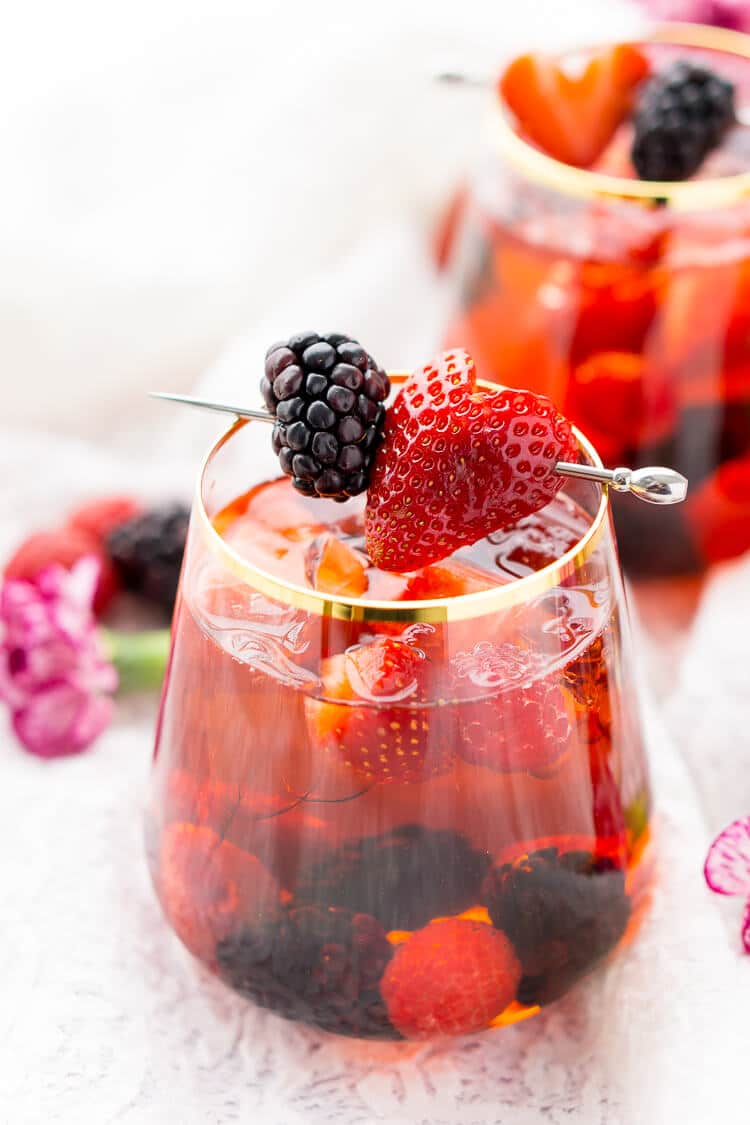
[[628, 303], [450, 757]]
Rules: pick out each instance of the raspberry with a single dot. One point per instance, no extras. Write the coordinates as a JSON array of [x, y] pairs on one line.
[[403, 878], [147, 553], [573, 118], [527, 728], [322, 966], [458, 463], [683, 114], [334, 567], [210, 887], [327, 395], [99, 517], [64, 546], [452, 977], [718, 512], [393, 733], [562, 910]]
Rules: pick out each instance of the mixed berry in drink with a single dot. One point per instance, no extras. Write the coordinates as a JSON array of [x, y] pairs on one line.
[[394, 824]]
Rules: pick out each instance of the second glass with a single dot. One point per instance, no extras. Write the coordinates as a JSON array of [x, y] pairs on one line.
[[628, 303]]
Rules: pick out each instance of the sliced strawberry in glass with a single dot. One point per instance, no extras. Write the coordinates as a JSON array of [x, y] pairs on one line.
[[376, 713]]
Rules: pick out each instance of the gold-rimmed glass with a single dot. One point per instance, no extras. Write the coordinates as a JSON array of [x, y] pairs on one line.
[[629, 304], [296, 866]]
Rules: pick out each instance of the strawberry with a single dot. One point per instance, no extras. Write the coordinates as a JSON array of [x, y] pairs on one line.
[[718, 512], [620, 402], [98, 517], [64, 547], [458, 463], [393, 733], [522, 727], [573, 117], [452, 977], [209, 887], [334, 567]]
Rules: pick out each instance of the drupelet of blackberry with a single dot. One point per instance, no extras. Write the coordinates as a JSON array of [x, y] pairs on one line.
[[683, 114], [147, 552], [327, 395], [403, 877], [563, 911], [321, 966]]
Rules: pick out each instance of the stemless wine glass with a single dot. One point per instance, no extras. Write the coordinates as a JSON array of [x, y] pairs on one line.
[[628, 303], [325, 826]]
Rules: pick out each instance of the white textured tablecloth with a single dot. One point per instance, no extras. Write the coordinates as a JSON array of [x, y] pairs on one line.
[[103, 1017]]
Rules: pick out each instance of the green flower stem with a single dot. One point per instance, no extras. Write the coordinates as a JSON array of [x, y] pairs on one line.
[[140, 658]]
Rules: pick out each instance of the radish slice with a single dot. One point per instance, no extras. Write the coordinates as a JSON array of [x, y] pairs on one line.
[[727, 868]]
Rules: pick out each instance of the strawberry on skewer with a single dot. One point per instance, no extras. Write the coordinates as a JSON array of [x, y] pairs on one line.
[[449, 461]]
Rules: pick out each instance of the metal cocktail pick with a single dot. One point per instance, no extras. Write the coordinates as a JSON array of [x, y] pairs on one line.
[[655, 485]]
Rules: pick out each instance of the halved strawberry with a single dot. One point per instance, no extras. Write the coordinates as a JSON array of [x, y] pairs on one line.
[[573, 117], [458, 463], [333, 567], [376, 713]]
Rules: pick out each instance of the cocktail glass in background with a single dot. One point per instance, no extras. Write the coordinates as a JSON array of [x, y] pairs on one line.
[[628, 303]]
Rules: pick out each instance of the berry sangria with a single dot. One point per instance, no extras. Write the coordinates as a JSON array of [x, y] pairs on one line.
[[399, 789], [604, 261]]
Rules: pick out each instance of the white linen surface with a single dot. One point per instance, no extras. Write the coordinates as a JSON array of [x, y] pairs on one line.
[[104, 1018]]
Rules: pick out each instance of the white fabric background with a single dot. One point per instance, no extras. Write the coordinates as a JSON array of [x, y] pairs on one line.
[[174, 175]]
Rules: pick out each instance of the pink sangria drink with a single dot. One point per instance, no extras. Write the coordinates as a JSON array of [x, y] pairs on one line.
[[398, 804]]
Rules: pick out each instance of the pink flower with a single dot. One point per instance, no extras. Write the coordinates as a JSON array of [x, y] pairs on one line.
[[53, 671], [724, 13], [727, 867]]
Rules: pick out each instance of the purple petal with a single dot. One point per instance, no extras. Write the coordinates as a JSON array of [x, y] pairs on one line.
[[61, 719], [727, 868], [746, 928]]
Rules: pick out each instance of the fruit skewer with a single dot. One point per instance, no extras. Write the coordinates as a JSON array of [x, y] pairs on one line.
[[655, 484]]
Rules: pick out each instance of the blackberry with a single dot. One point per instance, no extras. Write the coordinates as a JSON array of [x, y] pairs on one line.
[[563, 911], [321, 966], [327, 395], [147, 552], [403, 878], [683, 114]]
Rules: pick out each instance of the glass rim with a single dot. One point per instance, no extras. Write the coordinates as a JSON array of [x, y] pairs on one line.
[[678, 195], [433, 610]]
